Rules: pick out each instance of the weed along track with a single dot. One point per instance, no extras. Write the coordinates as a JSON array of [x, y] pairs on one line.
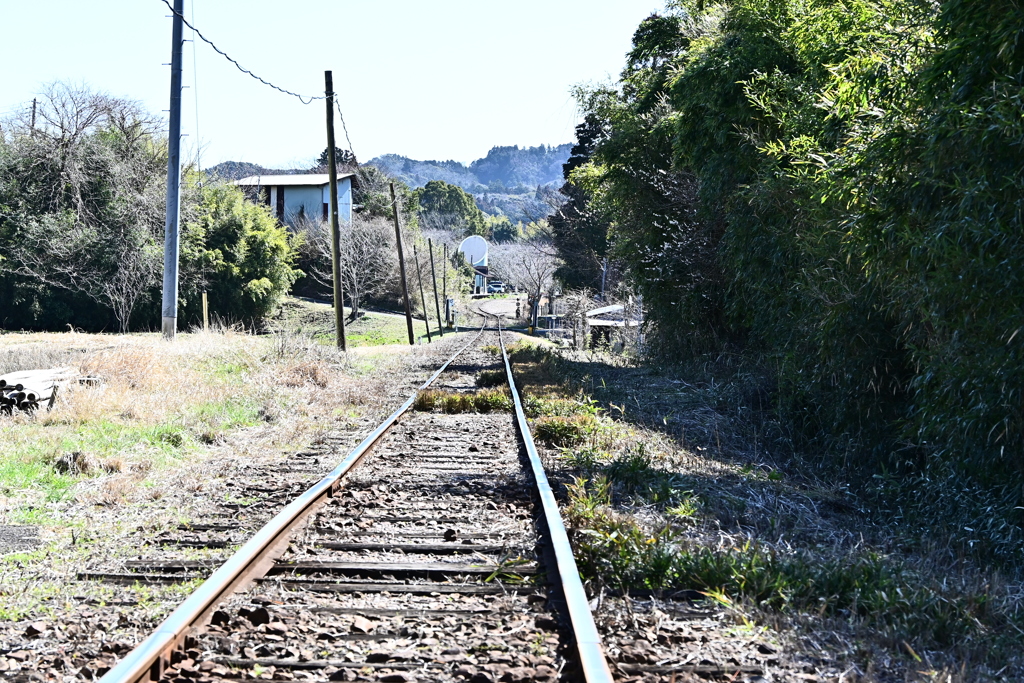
[[433, 552]]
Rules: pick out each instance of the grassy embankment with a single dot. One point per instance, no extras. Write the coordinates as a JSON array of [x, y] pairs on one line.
[[666, 483], [133, 448], [370, 329]]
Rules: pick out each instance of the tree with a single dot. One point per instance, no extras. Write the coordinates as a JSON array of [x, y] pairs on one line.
[[444, 206], [530, 265], [111, 267], [83, 198], [501, 229], [371, 192], [578, 228], [367, 257], [247, 256], [343, 158]]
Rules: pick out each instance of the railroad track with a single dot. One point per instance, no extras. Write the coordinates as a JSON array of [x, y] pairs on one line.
[[433, 552]]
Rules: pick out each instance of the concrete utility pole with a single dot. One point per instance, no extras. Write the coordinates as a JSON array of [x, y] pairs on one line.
[[401, 268], [433, 277], [170, 293], [332, 167], [33, 128]]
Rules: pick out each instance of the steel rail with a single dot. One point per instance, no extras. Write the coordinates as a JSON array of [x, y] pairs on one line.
[[588, 640], [150, 659]]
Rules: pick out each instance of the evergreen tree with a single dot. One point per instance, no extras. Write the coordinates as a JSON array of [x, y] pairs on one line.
[[579, 231], [449, 207]]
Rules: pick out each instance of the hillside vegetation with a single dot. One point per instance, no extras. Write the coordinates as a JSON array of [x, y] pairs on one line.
[[504, 169], [518, 182], [829, 195], [82, 198]]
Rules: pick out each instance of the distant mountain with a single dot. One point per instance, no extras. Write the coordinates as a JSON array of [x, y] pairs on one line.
[[418, 173], [520, 182], [236, 170], [503, 170], [505, 181]]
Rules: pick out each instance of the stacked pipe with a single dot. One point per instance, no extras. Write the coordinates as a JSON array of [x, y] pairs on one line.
[[25, 391], [16, 397]]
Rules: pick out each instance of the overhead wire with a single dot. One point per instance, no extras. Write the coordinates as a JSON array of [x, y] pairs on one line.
[[303, 99], [195, 95], [344, 127]]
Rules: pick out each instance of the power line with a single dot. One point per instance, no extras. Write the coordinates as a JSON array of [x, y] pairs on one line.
[[195, 94], [304, 100], [344, 127], [226, 56]]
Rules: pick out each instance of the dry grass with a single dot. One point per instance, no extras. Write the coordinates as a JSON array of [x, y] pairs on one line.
[[161, 404], [154, 444]]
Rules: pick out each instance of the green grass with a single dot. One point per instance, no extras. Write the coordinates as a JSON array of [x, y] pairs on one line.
[[485, 401], [370, 329], [32, 450], [377, 329], [561, 432], [860, 586], [210, 420]]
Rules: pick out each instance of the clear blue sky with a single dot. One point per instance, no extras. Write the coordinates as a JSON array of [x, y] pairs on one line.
[[440, 80]]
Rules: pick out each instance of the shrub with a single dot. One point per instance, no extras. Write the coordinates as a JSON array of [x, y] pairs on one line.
[[247, 255], [864, 586], [561, 431], [490, 378]]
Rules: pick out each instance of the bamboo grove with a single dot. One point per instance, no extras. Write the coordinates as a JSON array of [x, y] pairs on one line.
[[832, 190]]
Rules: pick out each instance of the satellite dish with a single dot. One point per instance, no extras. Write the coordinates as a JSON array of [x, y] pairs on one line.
[[475, 249]]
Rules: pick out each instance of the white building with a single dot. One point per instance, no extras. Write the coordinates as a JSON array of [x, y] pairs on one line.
[[305, 195]]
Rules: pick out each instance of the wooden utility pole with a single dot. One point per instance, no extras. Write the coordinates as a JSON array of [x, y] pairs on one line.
[[423, 298], [401, 268], [332, 167], [206, 312], [433, 277], [444, 287], [33, 116], [169, 301]]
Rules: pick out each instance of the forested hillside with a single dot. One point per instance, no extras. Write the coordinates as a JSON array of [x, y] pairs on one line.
[[832, 193], [236, 170], [505, 169], [512, 181]]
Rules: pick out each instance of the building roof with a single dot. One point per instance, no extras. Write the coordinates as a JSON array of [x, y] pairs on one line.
[[317, 179]]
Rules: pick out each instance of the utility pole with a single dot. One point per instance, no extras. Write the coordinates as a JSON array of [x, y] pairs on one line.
[[401, 268], [169, 321], [419, 274], [433, 277], [33, 116], [444, 286], [332, 167], [604, 277]]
